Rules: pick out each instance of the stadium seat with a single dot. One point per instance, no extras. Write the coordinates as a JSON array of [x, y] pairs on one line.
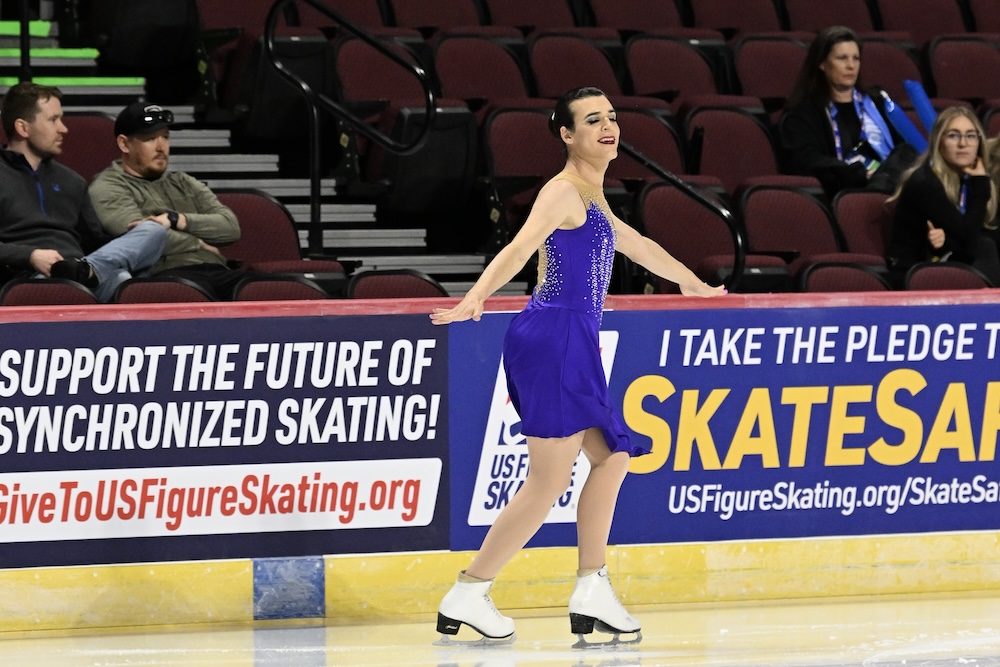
[[985, 16], [690, 73], [435, 16], [713, 133], [945, 276], [887, 64], [530, 15], [794, 225], [736, 18], [393, 284], [45, 292], [268, 239], [965, 67], [842, 277], [439, 175], [161, 290], [767, 66], [815, 15], [693, 234], [521, 154], [89, 147], [865, 220], [562, 62], [636, 15], [278, 288], [923, 19], [652, 137], [479, 71]]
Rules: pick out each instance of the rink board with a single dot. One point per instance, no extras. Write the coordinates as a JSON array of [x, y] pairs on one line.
[[402, 587], [260, 571]]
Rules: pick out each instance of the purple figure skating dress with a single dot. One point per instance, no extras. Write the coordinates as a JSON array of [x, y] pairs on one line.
[[551, 351]]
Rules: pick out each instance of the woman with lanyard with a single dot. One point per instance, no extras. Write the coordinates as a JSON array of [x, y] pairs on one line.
[[832, 129], [947, 202]]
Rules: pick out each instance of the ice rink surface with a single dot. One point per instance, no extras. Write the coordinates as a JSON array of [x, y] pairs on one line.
[[928, 630]]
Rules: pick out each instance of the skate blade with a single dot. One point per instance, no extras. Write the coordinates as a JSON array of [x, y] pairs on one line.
[[615, 642], [489, 642]]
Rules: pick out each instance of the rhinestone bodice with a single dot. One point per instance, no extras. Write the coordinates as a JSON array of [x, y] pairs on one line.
[[574, 265]]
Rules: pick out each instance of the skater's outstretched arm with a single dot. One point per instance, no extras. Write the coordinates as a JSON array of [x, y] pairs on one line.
[[647, 253], [558, 205]]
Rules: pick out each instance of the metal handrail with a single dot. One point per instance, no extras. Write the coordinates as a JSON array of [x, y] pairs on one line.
[[24, 72], [316, 99], [739, 257]]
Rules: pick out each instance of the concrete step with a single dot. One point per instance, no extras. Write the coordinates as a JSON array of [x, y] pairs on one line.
[[331, 213], [182, 114], [335, 241], [224, 163], [86, 91], [37, 29], [49, 61], [191, 141], [430, 264], [14, 42], [461, 288], [277, 187]]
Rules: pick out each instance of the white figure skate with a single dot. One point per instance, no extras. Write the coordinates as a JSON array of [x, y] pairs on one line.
[[594, 605], [470, 603]]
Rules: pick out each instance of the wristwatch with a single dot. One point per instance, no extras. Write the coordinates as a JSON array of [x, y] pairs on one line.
[[173, 217]]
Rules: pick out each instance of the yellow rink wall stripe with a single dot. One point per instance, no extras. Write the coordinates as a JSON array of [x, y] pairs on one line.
[[387, 587]]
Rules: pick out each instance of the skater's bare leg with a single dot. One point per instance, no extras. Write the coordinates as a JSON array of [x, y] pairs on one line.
[[549, 475], [593, 598], [596, 506]]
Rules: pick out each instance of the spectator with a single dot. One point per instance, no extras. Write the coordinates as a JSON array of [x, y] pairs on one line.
[[47, 222], [947, 203], [993, 150], [833, 129], [138, 187]]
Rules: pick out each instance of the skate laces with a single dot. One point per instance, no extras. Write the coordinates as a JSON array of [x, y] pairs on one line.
[[489, 603], [611, 589]]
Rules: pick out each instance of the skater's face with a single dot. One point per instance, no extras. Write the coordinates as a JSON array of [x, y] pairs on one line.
[[595, 128], [145, 154]]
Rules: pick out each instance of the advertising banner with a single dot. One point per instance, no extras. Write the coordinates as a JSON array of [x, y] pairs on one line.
[[763, 423], [219, 438]]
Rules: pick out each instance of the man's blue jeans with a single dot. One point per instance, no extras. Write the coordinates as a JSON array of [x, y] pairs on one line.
[[131, 254]]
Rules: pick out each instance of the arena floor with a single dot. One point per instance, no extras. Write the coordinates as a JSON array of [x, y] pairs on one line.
[[933, 630]]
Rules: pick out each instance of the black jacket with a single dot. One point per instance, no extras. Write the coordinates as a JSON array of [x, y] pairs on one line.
[[923, 198], [48, 208], [808, 147]]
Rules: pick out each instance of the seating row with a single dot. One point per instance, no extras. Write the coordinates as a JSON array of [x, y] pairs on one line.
[[921, 18]]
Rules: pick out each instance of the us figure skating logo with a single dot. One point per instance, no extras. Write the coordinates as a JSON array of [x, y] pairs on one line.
[[503, 463]]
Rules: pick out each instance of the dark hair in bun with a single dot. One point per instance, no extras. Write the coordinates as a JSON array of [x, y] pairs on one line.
[[562, 116]]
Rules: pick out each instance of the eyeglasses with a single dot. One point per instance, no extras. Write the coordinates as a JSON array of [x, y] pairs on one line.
[[152, 117], [955, 137]]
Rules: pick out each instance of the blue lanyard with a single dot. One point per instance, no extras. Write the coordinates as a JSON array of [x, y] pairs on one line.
[[963, 192], [832, 113]]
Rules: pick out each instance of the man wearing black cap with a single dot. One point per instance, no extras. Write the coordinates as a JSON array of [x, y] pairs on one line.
[[47, 223], [138, 187]]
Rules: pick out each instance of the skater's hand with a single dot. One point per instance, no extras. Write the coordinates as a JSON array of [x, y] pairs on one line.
[[468, 308], [703, 290]]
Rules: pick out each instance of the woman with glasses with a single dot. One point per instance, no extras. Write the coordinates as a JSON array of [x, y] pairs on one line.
[[946, 204]]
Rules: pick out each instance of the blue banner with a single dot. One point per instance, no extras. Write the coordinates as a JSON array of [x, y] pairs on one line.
[[220, 438], [764, 423]]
